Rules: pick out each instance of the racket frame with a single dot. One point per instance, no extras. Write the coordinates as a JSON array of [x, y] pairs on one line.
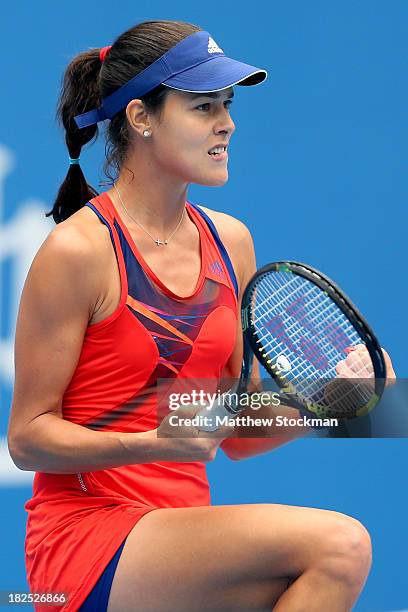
[[252, 343]]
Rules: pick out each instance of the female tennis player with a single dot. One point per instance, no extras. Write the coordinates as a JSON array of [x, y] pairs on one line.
[[132, 286]]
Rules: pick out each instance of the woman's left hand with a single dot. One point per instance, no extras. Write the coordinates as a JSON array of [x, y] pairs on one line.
[[358, 364]]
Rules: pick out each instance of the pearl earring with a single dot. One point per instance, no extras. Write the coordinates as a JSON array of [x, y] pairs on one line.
[[146, 133]]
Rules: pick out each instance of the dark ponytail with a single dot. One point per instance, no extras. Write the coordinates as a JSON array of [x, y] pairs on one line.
[[79, 93], [87, 80]]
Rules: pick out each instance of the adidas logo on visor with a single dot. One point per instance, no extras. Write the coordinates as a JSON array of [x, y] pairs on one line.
[[213, 47]]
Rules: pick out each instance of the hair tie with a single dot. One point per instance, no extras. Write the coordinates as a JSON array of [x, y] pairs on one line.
[[104, 52], [73, 161]]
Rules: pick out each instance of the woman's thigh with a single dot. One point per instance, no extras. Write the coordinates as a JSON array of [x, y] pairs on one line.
[[219, 558]]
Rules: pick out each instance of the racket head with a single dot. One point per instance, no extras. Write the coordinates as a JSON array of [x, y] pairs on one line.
[[298, 324]]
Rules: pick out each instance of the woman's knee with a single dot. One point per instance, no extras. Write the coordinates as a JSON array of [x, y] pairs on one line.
[[347, 551]]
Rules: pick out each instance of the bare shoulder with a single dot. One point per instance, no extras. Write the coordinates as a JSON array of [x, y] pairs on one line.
[[80, 239], [237, 240], [83, 229], [232, 231], [75, 253]]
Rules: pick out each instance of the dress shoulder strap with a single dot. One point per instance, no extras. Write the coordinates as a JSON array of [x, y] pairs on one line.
[[223, 251]]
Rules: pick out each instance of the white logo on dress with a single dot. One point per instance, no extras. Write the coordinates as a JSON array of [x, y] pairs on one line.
[[213, 47]]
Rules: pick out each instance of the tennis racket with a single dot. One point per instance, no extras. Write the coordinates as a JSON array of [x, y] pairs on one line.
[[300, 325]]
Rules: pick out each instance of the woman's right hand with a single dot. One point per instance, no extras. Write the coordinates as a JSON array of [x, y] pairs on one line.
[[178, 441]]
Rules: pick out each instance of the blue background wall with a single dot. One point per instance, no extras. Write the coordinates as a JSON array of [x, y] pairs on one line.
[[317, 172]]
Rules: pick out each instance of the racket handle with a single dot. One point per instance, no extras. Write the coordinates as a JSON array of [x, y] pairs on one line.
[[218, 411]]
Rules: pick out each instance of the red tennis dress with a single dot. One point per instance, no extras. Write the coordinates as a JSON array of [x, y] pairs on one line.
[[76, 522]]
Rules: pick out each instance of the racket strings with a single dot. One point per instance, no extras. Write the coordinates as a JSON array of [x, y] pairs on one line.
[[296, 331], [328, 318], [273, 298], [325, 317], [277, 289], [330, 352], [319, 297], [289, 296]]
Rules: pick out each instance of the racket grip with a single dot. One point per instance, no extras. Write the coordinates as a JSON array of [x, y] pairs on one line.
[[211, 418]]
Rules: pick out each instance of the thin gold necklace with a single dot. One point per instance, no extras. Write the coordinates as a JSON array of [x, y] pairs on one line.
[[156, 240]]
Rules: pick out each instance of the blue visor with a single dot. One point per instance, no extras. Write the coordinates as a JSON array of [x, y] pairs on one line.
[[196, 64]]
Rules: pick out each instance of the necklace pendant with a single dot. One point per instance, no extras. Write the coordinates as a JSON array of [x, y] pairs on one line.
[[156, 240]]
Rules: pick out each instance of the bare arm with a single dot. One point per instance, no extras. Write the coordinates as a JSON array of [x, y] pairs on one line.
[[59, 297], [56, 304], [246, 443], [239, 244]]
